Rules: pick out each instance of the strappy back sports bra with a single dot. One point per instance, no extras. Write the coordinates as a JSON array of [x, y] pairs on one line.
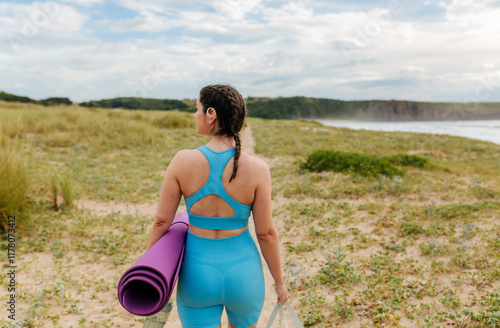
[[218, 161]]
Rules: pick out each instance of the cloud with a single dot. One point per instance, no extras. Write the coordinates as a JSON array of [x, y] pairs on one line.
[[40, 24], [148, 21], [86, 3], [170, 49], [237, 9]]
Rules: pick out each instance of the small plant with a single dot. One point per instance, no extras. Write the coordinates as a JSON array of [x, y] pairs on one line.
[[450, 301], [59, 248], [312, 316], [411, 228], [67, 189], [397, 247], [64, 184], [408, 160], [433, 249], [341, 308], [335, 273], [302, 247], [462, 259], [54, 182], [483, 193]]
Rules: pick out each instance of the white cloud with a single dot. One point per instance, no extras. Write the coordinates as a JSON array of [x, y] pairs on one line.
[[86, 3], [292, 49], [148, 21], [237, 9], [40, 23]]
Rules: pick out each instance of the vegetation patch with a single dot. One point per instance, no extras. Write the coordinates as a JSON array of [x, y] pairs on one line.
[[408, 160], [14, 182], [340, 161]]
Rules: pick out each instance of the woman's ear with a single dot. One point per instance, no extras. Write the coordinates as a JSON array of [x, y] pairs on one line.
[[212, 114]]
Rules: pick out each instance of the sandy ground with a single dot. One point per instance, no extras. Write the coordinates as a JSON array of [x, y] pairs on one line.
[[95, 293]]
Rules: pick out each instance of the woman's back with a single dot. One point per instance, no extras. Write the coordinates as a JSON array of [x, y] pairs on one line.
[[194, 171]]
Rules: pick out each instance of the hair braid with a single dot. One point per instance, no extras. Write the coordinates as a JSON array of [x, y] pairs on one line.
[[235, 127], [232, 116], [236, 156]]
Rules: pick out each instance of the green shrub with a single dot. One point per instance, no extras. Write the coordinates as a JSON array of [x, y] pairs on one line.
[[339, 161], [408, 160], [56, 101]]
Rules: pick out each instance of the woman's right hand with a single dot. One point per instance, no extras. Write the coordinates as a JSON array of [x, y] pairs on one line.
[[283, 294]]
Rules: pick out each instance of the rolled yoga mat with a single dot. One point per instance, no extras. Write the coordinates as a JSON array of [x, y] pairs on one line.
[[146, 287]]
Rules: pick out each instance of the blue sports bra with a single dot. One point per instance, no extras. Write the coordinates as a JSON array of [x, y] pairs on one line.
[[214, 186]]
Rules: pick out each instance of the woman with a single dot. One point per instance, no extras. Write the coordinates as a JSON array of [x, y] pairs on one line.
[[221, 186]]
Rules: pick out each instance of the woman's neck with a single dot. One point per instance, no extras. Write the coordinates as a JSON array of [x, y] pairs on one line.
[[221, 143]]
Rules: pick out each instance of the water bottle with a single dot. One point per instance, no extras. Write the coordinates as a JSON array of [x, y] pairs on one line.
[[159, 319]]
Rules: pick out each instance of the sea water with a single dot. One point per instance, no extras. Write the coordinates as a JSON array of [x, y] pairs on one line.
[[486, 130]]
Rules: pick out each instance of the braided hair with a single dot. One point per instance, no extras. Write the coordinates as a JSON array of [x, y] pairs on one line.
[[231, 111]]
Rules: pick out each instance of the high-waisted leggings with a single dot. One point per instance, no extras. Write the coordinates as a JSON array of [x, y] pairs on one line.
[[218, 273]]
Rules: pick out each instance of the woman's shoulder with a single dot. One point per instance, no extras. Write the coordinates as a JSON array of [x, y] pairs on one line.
[[256, 164], [255, 170], [184, 156], [186, 153]]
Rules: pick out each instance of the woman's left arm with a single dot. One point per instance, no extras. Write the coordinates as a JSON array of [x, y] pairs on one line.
[[170, 196]]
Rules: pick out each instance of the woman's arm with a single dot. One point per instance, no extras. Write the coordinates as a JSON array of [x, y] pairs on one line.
[[170, 196], [265, 229]]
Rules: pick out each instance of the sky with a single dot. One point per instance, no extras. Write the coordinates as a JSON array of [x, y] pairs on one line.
[[350, 50]]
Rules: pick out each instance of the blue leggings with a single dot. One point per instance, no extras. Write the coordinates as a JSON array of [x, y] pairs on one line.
[[218, 273]]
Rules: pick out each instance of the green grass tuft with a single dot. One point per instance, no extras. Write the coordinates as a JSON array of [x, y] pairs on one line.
[[408, 160], [14, 183], [340, 161]]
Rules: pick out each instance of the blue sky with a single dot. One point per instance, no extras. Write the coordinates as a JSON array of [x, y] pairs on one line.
[[349, 50]]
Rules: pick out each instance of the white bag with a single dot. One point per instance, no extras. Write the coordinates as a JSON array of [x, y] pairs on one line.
[[279, 308]]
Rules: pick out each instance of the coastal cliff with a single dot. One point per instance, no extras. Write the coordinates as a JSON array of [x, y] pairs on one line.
[[371, 110], [415, 111]]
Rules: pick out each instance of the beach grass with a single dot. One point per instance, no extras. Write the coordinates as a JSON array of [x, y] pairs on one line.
[[419, 250]]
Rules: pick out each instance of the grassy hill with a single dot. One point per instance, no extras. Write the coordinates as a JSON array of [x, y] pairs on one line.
[[305, 107], [46, 102], [138, 103]]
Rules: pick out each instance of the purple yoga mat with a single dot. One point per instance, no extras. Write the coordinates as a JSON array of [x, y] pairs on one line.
[[146, 287]]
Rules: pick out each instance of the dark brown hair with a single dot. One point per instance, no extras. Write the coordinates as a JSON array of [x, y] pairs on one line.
[[231, 111]]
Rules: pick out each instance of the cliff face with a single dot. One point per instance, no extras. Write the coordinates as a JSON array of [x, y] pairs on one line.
[[370, 110], [412, 111]]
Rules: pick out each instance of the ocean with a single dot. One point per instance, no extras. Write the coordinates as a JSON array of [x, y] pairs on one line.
[[486, 130]]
